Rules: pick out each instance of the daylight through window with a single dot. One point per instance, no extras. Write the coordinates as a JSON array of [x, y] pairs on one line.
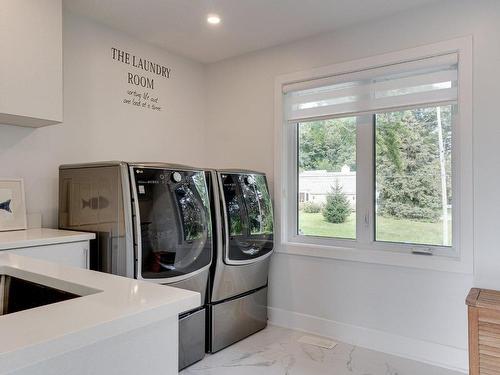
[[398, 186]]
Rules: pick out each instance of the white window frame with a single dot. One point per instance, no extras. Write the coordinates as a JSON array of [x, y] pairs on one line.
[[458, 258]]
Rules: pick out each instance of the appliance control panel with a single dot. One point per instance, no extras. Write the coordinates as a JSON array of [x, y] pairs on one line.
[[146, 177]]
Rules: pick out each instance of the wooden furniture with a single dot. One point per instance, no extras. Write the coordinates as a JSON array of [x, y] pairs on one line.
[[484, 331], [59, 246]]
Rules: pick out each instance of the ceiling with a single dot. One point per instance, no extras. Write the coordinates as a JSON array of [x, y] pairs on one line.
[[247, 25]]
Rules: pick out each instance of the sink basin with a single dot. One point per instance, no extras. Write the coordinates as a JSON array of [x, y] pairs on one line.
[[17, 294]]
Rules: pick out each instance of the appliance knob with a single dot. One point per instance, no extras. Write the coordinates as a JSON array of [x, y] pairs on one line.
[[176, 177]]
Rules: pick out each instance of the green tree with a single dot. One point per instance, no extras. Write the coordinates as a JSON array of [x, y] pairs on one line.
[[407, 157], [408, 170], [328, 144], [337, 207]]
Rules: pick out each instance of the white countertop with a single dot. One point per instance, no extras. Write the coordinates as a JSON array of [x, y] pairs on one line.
[[40, 236], [111, 305]]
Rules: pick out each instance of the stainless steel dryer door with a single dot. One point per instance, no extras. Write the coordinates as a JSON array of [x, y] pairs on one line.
[[248, 216], [173, 230]]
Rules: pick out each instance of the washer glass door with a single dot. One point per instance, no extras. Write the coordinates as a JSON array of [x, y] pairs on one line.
[[175, 222], [249, 215]]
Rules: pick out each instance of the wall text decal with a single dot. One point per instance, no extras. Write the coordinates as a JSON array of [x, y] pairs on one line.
[[141, 99]]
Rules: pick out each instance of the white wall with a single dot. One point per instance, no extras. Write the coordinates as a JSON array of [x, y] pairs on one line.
[[97, 125], [417, 308]]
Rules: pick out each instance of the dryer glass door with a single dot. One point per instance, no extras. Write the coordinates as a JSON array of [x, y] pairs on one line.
[[175, 223], [249, 215]]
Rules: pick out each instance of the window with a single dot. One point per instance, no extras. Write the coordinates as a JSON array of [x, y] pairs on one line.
[[413, 176], [326, 168], [370, 157]]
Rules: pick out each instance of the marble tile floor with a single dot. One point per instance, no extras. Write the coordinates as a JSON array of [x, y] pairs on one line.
[[276, 351]]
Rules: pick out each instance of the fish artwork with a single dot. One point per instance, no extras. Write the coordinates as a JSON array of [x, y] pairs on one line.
[[5, 206], [95, 203]]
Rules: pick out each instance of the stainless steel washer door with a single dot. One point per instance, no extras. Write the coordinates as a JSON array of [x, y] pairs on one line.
[[248, 217], [173, 223]]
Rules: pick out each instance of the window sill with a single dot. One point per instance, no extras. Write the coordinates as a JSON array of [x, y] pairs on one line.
[[383, 257]]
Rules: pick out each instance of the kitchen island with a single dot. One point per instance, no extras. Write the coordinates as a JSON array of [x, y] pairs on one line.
[[105, 324]]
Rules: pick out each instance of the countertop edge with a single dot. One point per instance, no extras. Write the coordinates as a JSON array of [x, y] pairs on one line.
[[45, 237], [118, 306], [42, 351]]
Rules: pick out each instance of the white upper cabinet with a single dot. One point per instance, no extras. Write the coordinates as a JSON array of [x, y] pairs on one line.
[[31, 85]]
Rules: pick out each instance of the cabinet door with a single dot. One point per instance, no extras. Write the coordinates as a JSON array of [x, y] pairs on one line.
[[75, 254], [31, 82]]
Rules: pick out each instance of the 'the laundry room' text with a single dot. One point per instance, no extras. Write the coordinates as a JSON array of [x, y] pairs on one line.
[[143, 64]]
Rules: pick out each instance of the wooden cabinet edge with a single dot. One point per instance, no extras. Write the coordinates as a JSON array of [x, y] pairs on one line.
[[473, 340]]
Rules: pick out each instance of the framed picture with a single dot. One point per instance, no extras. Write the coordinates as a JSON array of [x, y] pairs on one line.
[[12, 205]]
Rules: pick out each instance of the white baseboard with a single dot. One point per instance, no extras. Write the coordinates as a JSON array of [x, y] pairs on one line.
[[419, 350]]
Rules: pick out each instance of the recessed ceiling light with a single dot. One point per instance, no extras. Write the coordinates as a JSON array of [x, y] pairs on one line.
[[213, 19]]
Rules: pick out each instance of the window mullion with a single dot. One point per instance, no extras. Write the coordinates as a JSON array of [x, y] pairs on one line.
[[292, 179], [365, 179]]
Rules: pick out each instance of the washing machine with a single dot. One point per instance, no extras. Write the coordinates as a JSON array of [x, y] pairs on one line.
[[237, 295], [153, 223]]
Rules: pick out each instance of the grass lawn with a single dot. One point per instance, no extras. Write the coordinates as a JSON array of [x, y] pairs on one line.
[[388, 229]]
